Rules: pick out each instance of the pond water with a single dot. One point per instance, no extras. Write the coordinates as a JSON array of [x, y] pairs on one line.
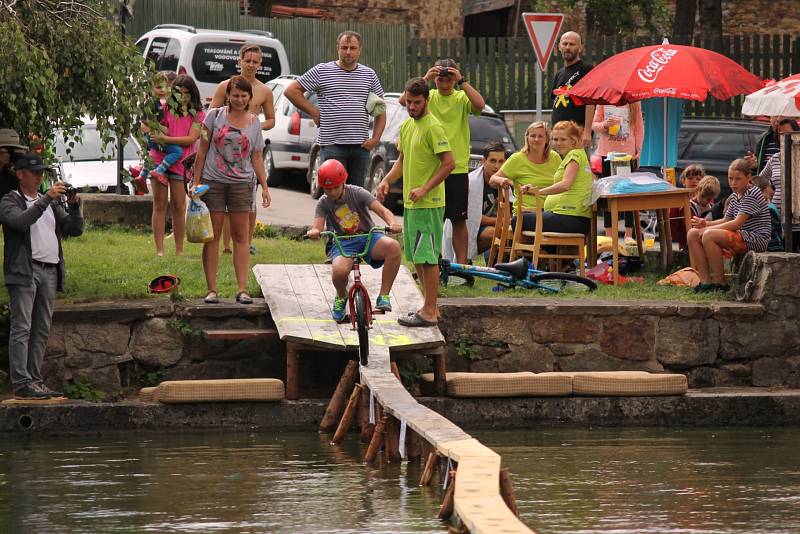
[[566, 481], [654, 480]]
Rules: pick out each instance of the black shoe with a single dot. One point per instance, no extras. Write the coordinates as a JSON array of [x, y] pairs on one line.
[[48, 391], [29, 392]]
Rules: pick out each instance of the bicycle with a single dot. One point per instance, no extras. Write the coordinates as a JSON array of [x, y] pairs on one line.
[[517, 273], [358, 300]]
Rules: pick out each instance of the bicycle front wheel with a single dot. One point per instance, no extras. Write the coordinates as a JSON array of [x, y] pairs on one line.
[[563, 282], [360, 306]]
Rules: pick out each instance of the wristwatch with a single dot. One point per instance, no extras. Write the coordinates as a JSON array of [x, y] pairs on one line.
[[461, 82]]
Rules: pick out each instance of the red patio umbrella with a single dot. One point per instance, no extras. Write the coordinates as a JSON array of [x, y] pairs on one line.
[[662, 71]]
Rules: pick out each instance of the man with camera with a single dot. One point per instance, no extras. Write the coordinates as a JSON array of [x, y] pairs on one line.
[[452, 109], [33, 264]]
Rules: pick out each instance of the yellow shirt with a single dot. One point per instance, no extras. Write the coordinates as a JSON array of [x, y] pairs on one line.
[[521, 171], [577, 200], [421, 141]]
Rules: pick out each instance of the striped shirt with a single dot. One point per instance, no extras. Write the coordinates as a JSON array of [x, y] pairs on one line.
[[342, 101], [756, 232], [772, 172]]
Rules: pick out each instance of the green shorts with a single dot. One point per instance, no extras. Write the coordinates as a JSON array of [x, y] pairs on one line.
[[422, 234]]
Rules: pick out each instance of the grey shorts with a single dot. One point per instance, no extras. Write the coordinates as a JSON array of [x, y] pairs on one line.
[[254, 204], [228, 197]]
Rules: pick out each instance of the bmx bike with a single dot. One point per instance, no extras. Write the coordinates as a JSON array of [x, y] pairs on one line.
[[358, 301], [518, 273]]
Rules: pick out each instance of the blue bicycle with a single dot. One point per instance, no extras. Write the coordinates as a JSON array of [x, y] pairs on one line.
[[518, 273]]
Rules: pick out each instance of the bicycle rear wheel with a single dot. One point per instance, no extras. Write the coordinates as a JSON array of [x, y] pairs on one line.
[[360, 306], [564, 282]]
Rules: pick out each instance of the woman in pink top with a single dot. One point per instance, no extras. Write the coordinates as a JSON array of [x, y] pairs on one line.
[[620, 129], [184, 119]]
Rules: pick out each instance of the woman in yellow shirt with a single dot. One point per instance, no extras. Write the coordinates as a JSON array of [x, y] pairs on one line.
[[535, 164], [568, 205]]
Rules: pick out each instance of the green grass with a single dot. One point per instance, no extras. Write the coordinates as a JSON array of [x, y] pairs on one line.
[[107, 263]]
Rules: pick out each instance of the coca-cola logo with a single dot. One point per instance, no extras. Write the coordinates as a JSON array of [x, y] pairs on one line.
[[659, 58]]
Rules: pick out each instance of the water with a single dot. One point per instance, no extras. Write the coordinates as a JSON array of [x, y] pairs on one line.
[[232, 482], [624, 481], [566, 481]]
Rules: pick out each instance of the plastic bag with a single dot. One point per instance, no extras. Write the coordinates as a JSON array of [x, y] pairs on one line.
[[636, 182], [603, 273], [198, 222], [686, 277]]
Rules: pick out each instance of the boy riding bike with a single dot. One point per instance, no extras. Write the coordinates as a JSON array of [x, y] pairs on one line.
[[345, 210]]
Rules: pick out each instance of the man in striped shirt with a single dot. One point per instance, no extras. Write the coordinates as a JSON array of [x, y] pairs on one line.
[[343, 87]]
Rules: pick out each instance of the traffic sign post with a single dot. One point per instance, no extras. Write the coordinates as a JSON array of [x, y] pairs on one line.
[[542, 30]]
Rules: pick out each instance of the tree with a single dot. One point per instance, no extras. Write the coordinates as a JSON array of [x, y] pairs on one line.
[[64, 59], [623, 17], [683, 24]]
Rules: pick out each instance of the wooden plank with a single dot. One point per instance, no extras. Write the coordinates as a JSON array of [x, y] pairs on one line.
[[241, 334], [274, 280], [315, 307]]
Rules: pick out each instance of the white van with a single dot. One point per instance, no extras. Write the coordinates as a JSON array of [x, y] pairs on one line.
[[210, 56]]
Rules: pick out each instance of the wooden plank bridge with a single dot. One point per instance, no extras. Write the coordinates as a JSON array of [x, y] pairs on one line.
[[299, 298]]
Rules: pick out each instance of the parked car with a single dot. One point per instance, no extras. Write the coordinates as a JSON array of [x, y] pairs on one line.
[[489, 126], [288, 144], [92, 167], [210, 56]]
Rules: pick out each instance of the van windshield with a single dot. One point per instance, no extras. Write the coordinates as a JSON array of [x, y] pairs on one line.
[[214, 62]]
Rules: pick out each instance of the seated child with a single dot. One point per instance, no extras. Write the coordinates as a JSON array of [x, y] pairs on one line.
[[776, 237], [745, 226], [688, 179], [701, 203], [158, 105], [344, 209]]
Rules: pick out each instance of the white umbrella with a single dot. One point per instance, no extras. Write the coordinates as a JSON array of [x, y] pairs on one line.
[[779, 99]]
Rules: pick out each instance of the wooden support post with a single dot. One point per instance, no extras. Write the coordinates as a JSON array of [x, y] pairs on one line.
[[439, 373], [292, 371], [363, 416], [427, 472], [392, 444], [396, 371], [446, 510], [349, 415], [376, 441], [507, 491], [336, 406], [413, 444]]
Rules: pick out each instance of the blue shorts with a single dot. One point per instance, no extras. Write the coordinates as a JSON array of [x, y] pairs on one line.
[[355, 246]]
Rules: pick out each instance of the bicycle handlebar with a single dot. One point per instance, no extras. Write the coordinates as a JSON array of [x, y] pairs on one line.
[[335, 238]]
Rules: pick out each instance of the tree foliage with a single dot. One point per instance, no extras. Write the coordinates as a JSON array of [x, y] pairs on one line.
[[619, 17], [64, 59]]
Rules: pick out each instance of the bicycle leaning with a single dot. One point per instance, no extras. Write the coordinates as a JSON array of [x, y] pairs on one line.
[[518, 273]]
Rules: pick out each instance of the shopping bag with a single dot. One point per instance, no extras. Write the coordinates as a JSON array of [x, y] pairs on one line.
[[198, 222]]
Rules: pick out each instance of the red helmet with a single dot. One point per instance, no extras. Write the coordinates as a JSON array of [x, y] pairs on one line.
[[331, 174]]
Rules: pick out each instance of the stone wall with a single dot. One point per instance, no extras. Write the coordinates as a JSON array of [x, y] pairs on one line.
[[753, 342]]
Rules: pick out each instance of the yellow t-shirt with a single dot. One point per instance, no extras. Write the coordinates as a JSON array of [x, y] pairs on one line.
[[578, 200], [521, 171], [421, 140], [453, 112]]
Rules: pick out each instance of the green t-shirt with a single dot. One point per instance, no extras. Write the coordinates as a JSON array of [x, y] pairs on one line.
[[578, 200], [521, 171], [421, 140], [453, 112]]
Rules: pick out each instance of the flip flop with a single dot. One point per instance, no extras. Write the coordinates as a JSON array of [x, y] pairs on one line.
[[211, 298], [415, 319], [243, 298]]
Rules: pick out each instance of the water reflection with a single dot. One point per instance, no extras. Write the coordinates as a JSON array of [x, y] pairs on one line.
[[267, 482], [654, 480]]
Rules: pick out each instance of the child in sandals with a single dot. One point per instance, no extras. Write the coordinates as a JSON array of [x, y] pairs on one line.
[[745, 226]]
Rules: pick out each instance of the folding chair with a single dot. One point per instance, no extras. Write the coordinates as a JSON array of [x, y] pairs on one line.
[[501, 244]]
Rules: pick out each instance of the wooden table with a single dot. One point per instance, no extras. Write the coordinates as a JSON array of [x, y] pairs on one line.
[[659, 201]]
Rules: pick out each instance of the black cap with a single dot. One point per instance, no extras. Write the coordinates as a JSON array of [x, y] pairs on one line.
[[30, 161]]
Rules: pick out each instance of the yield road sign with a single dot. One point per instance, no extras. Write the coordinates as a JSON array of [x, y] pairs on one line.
[[542, 30]]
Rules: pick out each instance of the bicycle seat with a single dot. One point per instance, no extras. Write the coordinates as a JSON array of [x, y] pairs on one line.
[[517, 268]]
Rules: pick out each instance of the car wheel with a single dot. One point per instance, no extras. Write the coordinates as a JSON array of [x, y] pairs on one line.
[[274, 176], [376, 174], [313, 184]]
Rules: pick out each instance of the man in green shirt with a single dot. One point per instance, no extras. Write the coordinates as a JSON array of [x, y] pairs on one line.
[[424, 161], [452, 108]]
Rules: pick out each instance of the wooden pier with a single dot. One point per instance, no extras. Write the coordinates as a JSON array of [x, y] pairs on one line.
[[299, 298]]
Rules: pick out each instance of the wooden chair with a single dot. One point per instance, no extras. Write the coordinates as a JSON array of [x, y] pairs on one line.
[[501, 244], [526, 242]]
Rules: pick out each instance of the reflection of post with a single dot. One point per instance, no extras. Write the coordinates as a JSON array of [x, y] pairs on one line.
[[292, 371]]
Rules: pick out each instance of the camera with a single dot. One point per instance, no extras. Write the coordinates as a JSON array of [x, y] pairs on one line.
[[444, 71], [71, 190]]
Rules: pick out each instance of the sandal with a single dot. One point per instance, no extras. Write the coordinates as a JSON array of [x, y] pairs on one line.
[[211, 298], [243, 298], [415, 319]]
